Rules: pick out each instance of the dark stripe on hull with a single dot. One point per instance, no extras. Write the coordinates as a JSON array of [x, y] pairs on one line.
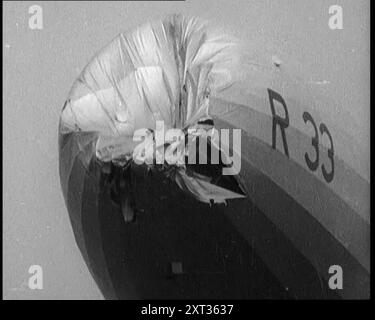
[[306, 234], [83, 211]]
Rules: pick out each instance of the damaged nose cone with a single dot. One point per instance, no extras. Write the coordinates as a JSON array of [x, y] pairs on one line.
[[139, 80]]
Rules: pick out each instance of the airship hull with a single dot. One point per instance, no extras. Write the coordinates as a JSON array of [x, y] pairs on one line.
[[264, 247]]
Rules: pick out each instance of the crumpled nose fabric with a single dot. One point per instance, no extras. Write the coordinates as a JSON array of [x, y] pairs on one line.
[[164, 71]]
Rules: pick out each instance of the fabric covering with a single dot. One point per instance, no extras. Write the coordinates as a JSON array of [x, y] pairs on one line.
[[163, 71]]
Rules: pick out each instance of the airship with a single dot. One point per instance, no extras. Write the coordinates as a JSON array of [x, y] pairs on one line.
[[289, 220]]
